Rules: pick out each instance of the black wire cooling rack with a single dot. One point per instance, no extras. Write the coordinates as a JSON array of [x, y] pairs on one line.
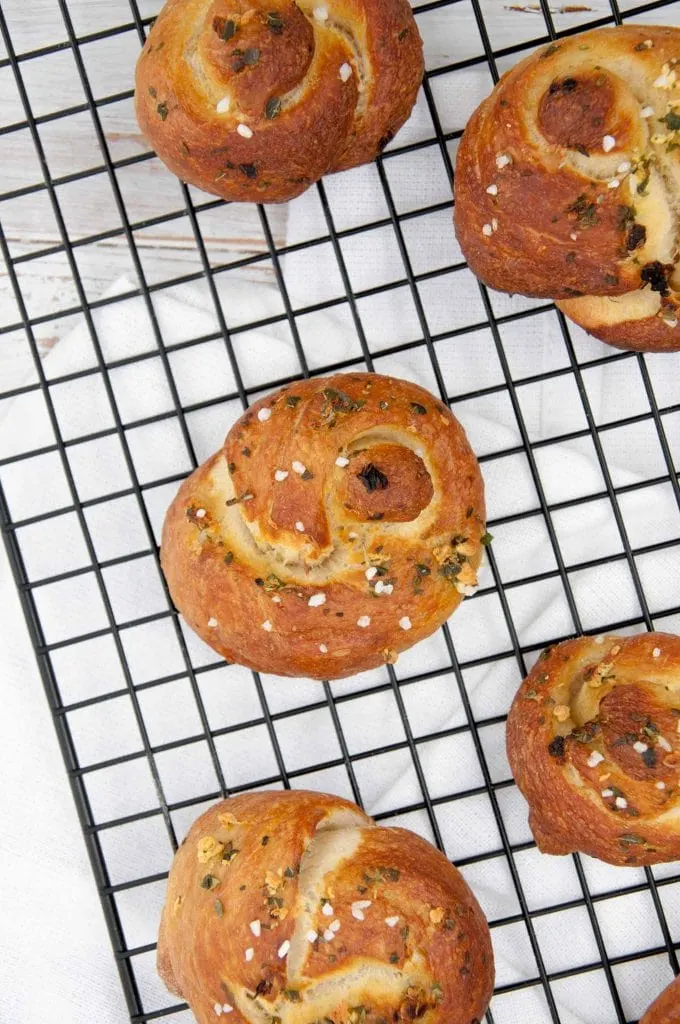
[[540, 911]]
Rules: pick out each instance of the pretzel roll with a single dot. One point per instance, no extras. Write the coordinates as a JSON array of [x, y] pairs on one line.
[[295, 907], [568, 183], [342, 521], [594, 746], [256, 101], [665, 1009]]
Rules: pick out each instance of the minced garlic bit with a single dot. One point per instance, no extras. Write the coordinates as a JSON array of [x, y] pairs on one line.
[[212, 623], [283, 949], [221, 1008], [334, 926], [256, 928], [608, 143], [660, 785], [494, 224], [405, 622], [323, 648], [298, 467], [624, 167], [267, 626], [561, 712], [208, 849], [595, 758], [263, 414], [200, 513], [223, 105], [492, 190], [300, 527], [345, 71], [656, 653], [370, 573], [614, 183], [316, 600], [327, 910], [647, 112], [607, 793], [662, 742], [328, 935], [392, 922], [358, 908], [621, 803], [487, 230], [280, 475], [312, 936], [341, 461], [639, 747], [245, 131], [502, 160], [666, 79], [363, 621], [249, 954]]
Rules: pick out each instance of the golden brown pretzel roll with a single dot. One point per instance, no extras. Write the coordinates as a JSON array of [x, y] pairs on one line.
[[665, 1009], [342, 521], [254, 100], [594, 746], [568, 181], [295, 907]]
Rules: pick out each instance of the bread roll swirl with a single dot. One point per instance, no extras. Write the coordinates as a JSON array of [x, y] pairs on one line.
[[594, 745]]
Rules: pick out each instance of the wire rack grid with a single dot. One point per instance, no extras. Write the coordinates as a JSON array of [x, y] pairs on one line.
[[218, 731]]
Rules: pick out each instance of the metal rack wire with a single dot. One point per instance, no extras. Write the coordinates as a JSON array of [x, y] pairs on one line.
[[135, 958]]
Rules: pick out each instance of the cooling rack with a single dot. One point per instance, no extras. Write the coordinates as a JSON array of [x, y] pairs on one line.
[[574, 938]]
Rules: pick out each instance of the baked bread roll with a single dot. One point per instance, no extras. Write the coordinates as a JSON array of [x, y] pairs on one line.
[[342, 521], [665, 1009], [594, 746], [567, 183], [256, 101], [295, 907]]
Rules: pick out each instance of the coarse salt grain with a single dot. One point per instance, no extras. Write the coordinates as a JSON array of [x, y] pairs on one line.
[[256, 928], [358, 908], [621, 803], [345, 71], [300, 527], [218, 1009], [664, 744], [250, 953], [280, 475], [660, 785], [328, 935], [656, 653], [263, 414], [387, 588], [364, 621], [200, 513], [341, 461], [312, 936], [494, 224], [598, 639], [327, 910], [492, 190], [391, 922], [573, 236], [334, 926], [379, 587], [607, 792], [608, 143], [267, 626], [640, 747], [244, 131], [502, 160], [283, 949], [276, 599], [623, 168], [223, 105], [212, 623], [298, 467], [405, 622], [316, 600], [614, 183], [647, 112], [595, 758], [370, 573], [487, 230], [321, 13], [323, 648]]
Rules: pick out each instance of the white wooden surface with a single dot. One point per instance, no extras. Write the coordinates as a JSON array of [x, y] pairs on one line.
[[148, 190]]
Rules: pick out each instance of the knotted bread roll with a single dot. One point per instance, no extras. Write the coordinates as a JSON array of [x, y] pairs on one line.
[[256, 101], [295, 907], [342, 521], [568, 183], [594, 745], [665, 1009]]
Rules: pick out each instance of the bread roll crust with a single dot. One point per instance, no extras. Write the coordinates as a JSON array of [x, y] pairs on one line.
[[398, 932], [255, 102], [665, 1009], [567, 178], [594, 746], [342, 522]]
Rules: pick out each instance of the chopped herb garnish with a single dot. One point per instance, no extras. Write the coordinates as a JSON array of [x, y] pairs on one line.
[[219, 909], [338, 402], [250, 170], [649, 757], [245, 452], [272, 582], [289, 873], [229, 852], [292, 995], [307, 475], [228, 30], [275, 22], [553, 48], [418, 408], [656, 275], [292, 401], [671, 120], [251, 56], [394, 958], [152, 92], [402, 35], [229, 558], [556, 747], [246, 496], [383, 406], [162, 111], [584, 211], [209, 882], [632, 839], [265, 840], [486, 539], [272, 108], [372, 478], [636, 237]]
